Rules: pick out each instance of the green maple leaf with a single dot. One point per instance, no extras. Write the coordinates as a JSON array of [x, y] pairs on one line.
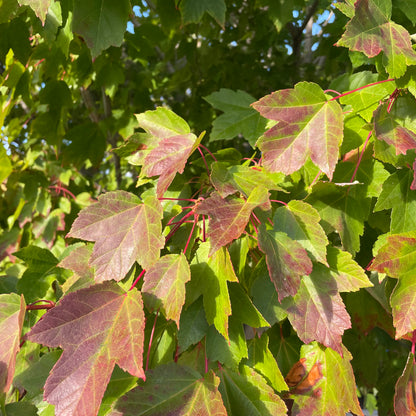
[[210, 274], [404, 403], [193, 10]]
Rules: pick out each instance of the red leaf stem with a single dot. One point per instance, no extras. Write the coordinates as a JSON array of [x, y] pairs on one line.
[[254, 226], [361, 88], [335, 92], [203, 158], [151, 340], [177, 199], [176, 227], [413, 345], [137, 279], [361, 156], [33, 306], [59, 188], [255, 217], [207, 150], [392, 99], [190, 234], [278, 201]]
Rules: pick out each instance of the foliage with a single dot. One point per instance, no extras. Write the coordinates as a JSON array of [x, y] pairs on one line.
[[212, 212]]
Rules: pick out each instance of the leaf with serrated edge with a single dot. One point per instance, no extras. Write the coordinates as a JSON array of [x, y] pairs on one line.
[[247, 393], [404, 397], [349, 276], [229, 217], [97, 327], [336, 393], [164, 285], [12, 313], [286, 261], [40, 7], [300, 221], [371, 31], [193, 10], [101, 23], [209, 278], [317, 312], [124, 229], [308, 126], [173, 389]]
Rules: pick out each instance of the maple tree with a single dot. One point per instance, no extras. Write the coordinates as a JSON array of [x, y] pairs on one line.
[[186, 231]]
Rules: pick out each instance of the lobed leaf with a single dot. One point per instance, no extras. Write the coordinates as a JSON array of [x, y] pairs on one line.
[[40, 7], [307, 126], [317, 312], [12, 313], [371, 31], [97, 327], [193, 10], [164, 285], [229, 217], [336, 392], [173, 389], [124, 229], [286, 261]]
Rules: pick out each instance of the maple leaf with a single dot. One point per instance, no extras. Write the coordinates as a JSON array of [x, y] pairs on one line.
[[247, 393], [335, 393], [229, 217], [317, 312], [388, 128], [173, 389], [12, 313], [164, 285], [210, 274], [171, 145], [398, 196], [308, 126], [300, 221], [404, 397], [342, 210], [371, 31], [124, 229], [97, 327], [286, 261]]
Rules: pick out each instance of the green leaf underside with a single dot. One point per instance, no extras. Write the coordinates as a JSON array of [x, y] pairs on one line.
[[97, 327], [173, 389], [164, 285], [229, 217], [318, 313], [101, 23], [247, 393], [210, 274], [307, 126], [12, 313], [286, 261], [124, 230], [336, 393], [371, 31]]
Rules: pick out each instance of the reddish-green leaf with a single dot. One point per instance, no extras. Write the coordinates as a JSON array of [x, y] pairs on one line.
[[371, 31], [404, 397], [97, 327], [387, 128], [173, 389], [40, 7], [300, 221], [229, 217], [335, 393], [12, 313], [164, 285], [101, 23], [307, 126], [124, 229], [247, 393], [286, 260], [171, 145], [209, 278], [317, 312]]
